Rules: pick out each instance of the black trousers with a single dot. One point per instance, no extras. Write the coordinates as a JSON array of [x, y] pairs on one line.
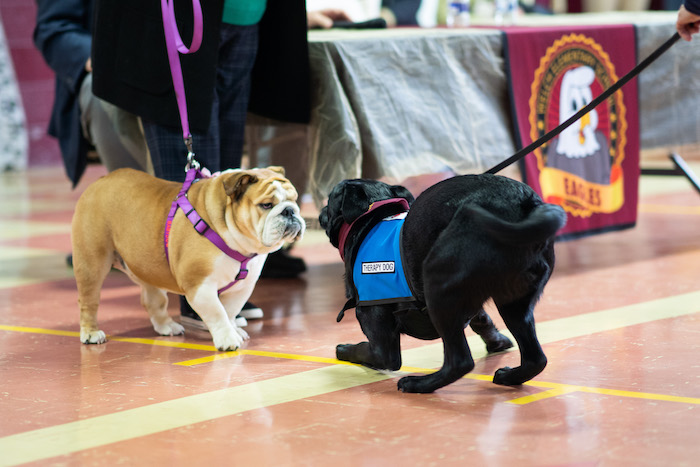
[[221, 146]]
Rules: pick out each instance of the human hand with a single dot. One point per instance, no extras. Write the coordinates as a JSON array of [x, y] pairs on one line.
[[88, 65], [687, 23], [324, 19]]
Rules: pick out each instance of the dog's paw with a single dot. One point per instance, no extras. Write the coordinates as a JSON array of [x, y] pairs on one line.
[[93, 337], [504, 377], [415, 384], [498, 344], [356, 353], [521, 374], [169, 329], [228, 340], [177, 329], [345, 352], [242, 332]]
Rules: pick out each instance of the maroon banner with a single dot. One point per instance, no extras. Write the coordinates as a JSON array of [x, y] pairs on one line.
[[591, 169]]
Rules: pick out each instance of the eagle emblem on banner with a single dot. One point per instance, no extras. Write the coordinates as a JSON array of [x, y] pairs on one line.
[[581, 168]]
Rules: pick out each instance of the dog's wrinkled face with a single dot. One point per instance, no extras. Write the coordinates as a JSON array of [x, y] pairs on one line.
[[350, 199], [263, 204]]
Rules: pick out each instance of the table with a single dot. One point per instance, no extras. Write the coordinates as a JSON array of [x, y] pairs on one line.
[[402, 102]]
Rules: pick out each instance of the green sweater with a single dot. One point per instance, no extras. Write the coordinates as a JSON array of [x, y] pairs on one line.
[[243, 12]]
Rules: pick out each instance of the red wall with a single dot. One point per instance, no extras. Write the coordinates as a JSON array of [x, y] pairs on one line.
[[35, 79]]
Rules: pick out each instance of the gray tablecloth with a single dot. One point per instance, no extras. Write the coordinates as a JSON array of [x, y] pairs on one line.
[[404, 102]]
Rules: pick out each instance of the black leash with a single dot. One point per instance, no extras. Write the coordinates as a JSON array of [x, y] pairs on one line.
[[594, 103]]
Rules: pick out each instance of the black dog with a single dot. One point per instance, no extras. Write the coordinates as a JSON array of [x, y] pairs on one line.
[[464, 240]]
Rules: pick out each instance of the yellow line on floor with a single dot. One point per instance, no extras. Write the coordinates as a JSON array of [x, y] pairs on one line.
[[133, 340], [641, 395], [554, 389], [558, 389], [53, 332], [155, 418], [670, 209], [263, 353], [98, 431], [184, 345], [544, 394], [431, 355]]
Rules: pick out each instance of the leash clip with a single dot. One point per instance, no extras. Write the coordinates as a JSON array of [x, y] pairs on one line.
[[191, 161]]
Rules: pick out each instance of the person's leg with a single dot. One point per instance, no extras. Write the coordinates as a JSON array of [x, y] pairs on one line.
[[169, 156], [636, 5], [595, 6], [237, 53], [220, 147], [115, 133], [168, 152]]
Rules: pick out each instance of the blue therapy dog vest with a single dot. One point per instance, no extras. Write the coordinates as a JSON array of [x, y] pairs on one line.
[[378, 272]]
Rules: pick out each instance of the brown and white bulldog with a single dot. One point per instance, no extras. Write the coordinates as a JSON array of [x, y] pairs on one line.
[[120, 220]]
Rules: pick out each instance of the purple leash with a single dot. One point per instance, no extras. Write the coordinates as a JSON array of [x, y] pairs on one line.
[[176, 46]]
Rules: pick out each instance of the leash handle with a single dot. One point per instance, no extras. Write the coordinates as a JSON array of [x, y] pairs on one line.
[[594, 103], [175, 46]]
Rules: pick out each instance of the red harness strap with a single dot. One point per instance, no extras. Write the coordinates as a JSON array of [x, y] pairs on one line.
[[345, 228]]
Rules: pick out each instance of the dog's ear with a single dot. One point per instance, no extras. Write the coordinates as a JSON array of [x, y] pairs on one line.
[[278, 169], [236, 184], [323, 218], [355, 202], [330, 225], [402, 192], [330, 217]]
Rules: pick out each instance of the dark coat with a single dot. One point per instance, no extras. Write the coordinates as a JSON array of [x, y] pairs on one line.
[[131, 67], [692, 6], [405, 11], [130, 62], [63, 36], [280, 87]]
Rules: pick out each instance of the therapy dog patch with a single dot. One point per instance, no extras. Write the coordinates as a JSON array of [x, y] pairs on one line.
[[378, 267], [378, 271]]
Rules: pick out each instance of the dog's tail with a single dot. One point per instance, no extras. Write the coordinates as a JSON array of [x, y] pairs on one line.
[[542, 223]]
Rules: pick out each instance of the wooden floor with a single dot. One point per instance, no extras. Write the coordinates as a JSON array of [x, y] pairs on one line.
[[619, 322]]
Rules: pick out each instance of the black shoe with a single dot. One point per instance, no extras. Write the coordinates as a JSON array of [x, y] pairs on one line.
[[280, 265], [251, 311], [186, 309], [190, 319]]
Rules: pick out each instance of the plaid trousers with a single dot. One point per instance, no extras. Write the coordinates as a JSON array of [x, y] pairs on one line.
[[221, 147]]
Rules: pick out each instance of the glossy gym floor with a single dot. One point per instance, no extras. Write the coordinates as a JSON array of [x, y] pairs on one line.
[[619, 322]]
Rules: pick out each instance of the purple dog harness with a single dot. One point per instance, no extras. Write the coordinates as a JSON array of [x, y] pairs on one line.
[[202, 227]]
